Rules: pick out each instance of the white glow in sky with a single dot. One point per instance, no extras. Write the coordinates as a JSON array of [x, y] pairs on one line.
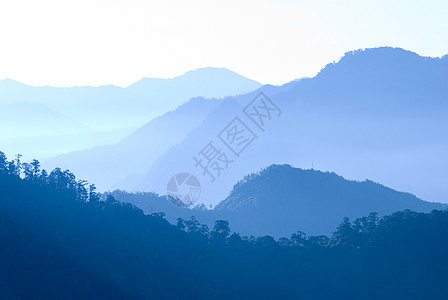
[[93, 42]]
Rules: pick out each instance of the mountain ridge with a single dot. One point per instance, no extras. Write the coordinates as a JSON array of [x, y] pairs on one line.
[[114, 110], [374, 132], [202, 71], [280, 199]]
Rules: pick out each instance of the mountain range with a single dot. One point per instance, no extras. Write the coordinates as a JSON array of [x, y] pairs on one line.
[[110, 113], [110, 107], [59, 242], [376, 113], [281, 200], [123, 164]]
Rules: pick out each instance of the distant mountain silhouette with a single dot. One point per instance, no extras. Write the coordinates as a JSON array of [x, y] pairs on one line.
[[29, 128], [113, 110], [280, 200], [377, 113], [204, 82], [23, 119], [111, 107], [123, 164]]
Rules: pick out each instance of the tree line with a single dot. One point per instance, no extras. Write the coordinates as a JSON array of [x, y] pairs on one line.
[[60, 239]]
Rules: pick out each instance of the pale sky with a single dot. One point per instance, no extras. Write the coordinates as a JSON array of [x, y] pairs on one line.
[[93, 42]]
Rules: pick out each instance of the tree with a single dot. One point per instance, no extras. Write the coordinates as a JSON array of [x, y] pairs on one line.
[[31, 170], [234, 239], [94, 197], [203, 229], [3, 163], [220, 231], [35, 168], [317, 240], [180, 224], [81, 191], [299, 238], [222, 227], [266, 241], [285, 242], [18, 168], [344, 234], [110, 199], [192, 224], [15, 166], [43, 177]]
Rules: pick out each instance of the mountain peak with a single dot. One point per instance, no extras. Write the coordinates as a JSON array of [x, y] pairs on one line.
[[378, 59], [202, 74], [311, 200], [8, 82], [207, 71], [205, 82]]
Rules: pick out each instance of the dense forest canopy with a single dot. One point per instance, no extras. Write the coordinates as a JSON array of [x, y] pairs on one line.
[[61, 239]]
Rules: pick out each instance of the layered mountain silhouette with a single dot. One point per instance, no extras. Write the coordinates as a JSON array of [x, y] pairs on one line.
[[123, 165], [280, 200], [22, 119], [111, 112], [28, 128], [377, 113], [111, 107]]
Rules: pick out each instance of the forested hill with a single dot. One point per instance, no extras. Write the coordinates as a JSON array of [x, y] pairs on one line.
[[280, 199], [61, 240]]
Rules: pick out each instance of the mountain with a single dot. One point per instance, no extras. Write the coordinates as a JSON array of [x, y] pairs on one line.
[[47, 146], [60, 242], [204, 82], [27, 127], [280, 200], [111, 107], [111, 113], [377, 113], [115, 166], [23, 119]]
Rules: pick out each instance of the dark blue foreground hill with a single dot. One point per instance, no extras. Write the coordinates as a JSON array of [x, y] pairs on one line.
[[60, 241], [281, 199]]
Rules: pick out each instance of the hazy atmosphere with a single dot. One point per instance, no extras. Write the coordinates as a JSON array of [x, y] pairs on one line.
[[223, 149]]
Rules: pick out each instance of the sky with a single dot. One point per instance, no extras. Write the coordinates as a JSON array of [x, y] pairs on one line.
[[93, 42]]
